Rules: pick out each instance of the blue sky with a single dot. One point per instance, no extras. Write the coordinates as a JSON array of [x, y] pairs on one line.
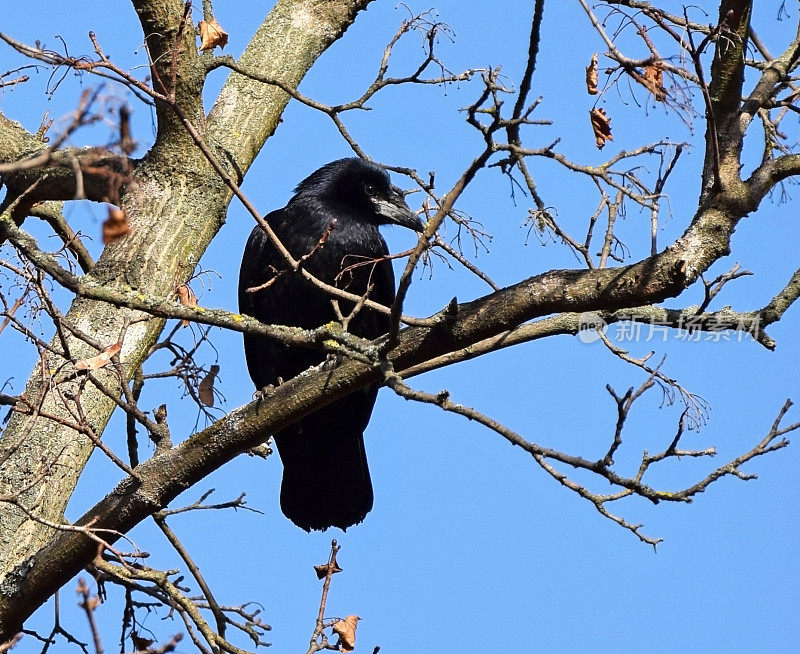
[[470, 546]]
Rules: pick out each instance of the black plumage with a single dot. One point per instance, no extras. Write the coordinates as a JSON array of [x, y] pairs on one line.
[[326, 480]]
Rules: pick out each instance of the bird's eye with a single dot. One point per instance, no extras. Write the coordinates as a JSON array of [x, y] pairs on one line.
[[370, 190]]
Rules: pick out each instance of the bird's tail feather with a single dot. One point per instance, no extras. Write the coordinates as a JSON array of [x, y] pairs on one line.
[[326, 480]]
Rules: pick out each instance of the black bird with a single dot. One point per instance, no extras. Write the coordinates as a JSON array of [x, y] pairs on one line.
[[326, 481]]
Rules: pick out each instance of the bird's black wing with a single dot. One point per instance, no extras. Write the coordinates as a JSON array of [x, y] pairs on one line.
[[282, 303]]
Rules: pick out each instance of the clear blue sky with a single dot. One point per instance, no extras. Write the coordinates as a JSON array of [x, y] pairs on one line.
[[470, 546]]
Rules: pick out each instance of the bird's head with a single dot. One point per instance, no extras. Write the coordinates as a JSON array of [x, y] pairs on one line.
[[359, 188]]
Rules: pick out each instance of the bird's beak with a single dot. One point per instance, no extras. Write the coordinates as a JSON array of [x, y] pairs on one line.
[[396, 212]]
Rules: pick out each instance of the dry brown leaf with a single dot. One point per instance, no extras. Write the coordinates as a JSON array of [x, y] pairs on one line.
[[140, 643], [591, 76], [601, 124], [212, 34], [653, 81], [89, 603], [206, 388], [188, 299], [100, 360], [346, 630], [322, 570], [116, 225]]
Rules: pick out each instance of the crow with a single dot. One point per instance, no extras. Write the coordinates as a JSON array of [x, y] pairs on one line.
[[334, 218]]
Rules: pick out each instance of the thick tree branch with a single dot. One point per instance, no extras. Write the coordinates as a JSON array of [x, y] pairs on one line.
[[723, 133], [175, 66]]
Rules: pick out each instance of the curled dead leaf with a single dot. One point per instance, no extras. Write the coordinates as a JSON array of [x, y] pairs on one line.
[[140, 643], [322, 570], [187, 298], [346, 630], [212, 34], [206, 388], [653, 81], [116, 225], [89, 603], [601, 125], [95, 362], [591, 76]]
